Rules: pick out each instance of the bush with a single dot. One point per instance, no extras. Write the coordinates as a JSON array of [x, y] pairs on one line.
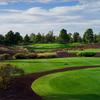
[[7, 71], [20, 56], [5, 57], [46, 55], [31, 55], [86, 54], [25, 56]]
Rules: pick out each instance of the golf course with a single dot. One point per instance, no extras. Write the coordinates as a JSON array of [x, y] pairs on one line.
[[50, 67], [74, 78]]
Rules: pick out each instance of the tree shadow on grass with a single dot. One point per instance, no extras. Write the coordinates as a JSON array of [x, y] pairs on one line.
[[73, 97]]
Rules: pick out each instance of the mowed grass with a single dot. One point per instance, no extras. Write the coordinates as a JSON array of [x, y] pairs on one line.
[[86, 50], [53, 46], [37, 65], [72, 85]]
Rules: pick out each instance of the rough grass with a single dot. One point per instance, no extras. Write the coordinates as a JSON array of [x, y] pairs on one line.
[[37, 65], [72, 85]]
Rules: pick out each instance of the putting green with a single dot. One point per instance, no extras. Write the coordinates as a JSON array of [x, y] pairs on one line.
[[82, 84]]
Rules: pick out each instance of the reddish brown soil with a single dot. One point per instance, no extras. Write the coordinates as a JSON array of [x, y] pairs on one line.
[[20, 87]]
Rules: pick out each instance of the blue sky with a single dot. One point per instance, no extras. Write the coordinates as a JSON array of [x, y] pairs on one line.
[[33, 16]]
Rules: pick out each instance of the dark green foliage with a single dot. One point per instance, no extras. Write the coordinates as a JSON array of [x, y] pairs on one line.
[[2, 39], [12, 38], [76, 37], [8, 71], [18, 38], [26, 39], [49, 38], [38, 38], [86, 54], [64, 37], [33, 38], [9, 38], [88, 36], [5, 57]]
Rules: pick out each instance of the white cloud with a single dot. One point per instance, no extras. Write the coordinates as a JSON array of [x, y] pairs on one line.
[[73, 18]]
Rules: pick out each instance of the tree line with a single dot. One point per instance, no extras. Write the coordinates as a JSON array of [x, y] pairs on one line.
[[16, 38]]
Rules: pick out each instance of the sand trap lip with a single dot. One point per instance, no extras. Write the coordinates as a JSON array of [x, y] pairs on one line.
[[20, 88]]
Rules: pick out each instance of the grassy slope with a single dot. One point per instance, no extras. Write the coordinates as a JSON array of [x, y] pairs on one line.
[[56, 45], [47, 47], [72, 85], [36, 65]]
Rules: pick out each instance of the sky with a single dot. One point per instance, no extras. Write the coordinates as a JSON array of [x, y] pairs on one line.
[[33, 16]]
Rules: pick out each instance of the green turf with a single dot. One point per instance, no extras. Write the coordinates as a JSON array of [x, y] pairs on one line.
[[53, 46], [72, 85], [87, 50], [36, 65]]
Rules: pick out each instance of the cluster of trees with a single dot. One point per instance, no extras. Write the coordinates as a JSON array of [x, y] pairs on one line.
[[16, 38], [88, 37]]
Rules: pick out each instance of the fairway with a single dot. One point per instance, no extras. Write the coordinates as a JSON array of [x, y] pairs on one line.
[[53, 46], [87, 50], [71, 85], [37, 65]]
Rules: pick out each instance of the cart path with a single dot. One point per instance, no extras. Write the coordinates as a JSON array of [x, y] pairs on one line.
[[20, 88]]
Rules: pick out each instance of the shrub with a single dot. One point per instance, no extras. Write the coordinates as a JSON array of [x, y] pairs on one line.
[[86, 54], [5, 57], [31, 55], [46, 55], [7, 71], [25, 56], [20, 56]]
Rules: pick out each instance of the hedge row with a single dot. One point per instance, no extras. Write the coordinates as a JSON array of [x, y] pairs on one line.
[[45, 55], [86, 54], [34, 55]]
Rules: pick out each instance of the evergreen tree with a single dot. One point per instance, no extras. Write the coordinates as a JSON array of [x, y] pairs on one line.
[[76, 37], [50, 38], [88, 36], [9, 38], [26, 39], [64, 37], [18, 38], [33, 38], [38, 38], [2, 39]]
